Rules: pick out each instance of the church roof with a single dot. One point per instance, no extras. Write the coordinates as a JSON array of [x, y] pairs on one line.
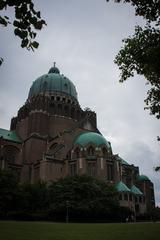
[[121, 187], [9, 135], [52, 82], [136, 190], [91, 137]]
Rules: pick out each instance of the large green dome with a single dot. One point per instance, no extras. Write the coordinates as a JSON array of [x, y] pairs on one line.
[[91, 137], [51, 83]]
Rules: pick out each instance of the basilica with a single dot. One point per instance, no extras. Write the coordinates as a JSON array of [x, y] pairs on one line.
[[52, 137]]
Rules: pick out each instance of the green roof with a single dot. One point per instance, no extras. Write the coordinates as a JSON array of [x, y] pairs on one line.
[[121, 187], [52, 82], [91, 137], [143, 178], [136, 190], [9, 135], [123, 161]]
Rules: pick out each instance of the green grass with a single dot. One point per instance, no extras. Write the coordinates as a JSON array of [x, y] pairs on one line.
[[10, 230]]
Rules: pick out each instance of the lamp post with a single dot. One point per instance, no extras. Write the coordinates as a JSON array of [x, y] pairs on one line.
[[67, 211]]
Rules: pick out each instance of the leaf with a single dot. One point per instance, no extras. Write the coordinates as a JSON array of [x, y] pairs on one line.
[[24, 43], [2, 4], [35, 44], [16, 23], [3, 21], [39, 14], [1, 61], [38, 25], [17, 32]]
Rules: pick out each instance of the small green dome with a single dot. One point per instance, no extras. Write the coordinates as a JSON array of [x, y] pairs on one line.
[[143, 178], [91, 137], [53, 82]]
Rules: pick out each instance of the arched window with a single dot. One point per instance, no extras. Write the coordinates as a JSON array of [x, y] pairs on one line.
[[104, 152], [110, 172], [10, 154], [77, 153], [68, 156], [72, 169], [92, 168], [53, 148], [90, 151], [126, 197], [52, 105], [58, 98]]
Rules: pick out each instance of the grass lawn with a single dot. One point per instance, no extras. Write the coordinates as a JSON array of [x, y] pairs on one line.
[[10, 230]]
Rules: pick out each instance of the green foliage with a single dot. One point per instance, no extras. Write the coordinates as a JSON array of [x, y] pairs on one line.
[[141, 52], [149, 9], [35, 197], [26, 21], [84, 195], [8, 191]]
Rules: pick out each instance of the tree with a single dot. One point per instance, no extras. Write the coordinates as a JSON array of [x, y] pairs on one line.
[[26, 21], [141, 52], [35, 196], [86, 198], [8, 191], [149, 10]]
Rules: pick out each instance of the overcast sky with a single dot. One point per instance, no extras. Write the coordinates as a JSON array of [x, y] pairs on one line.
[[83, 37]]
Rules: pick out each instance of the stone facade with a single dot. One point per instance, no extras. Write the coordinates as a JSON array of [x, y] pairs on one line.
[[52, 137]]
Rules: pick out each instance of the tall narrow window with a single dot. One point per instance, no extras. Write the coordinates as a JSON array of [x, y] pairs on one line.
[[126, 197], [130, 198], [66, 110], [59, 109], [120, 196], [110, 174], [91, 169], [104, 151], [90, 151], [77, 153], [72, 169]]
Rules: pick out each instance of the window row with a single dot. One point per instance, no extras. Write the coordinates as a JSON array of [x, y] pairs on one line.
[[92, 170], [130, 197], [91, 151], [62, 99], [66, 110]]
